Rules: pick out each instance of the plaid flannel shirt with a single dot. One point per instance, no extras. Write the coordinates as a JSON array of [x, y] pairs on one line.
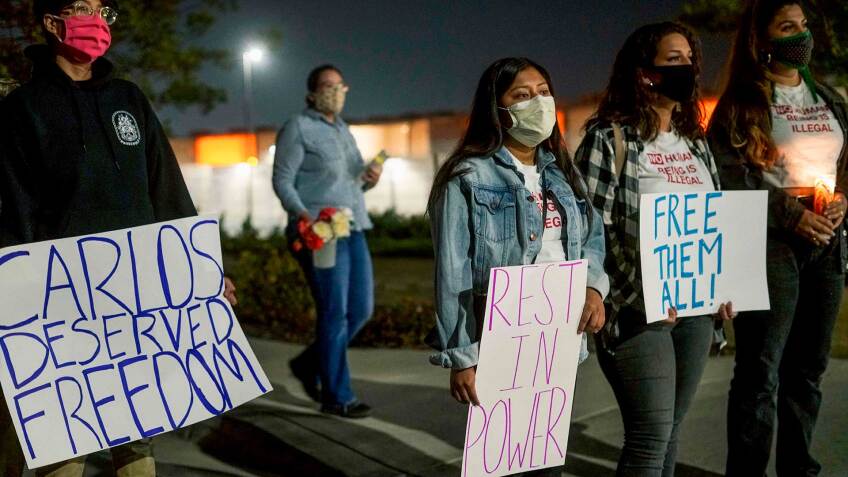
[[617, 198]]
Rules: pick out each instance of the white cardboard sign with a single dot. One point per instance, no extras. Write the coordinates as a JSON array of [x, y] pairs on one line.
[[702, 249], [109, 338], [527, 369]]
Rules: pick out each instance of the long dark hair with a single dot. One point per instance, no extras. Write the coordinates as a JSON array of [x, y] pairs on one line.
[[743, 115], [627, 101], [485, 133]]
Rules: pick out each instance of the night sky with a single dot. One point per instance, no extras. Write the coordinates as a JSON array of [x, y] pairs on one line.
[[407, 56]]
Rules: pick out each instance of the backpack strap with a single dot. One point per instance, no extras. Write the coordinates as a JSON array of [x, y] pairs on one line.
[[619, 149]]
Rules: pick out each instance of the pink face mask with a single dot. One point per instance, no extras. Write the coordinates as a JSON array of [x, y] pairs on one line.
[[86, 38]]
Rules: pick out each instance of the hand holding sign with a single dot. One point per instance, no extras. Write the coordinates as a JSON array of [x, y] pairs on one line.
[[463, 385], [230, 291], [725, 311], [593, 317]]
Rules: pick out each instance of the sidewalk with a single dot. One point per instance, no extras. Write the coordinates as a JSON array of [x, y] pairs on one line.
[[417, 429]]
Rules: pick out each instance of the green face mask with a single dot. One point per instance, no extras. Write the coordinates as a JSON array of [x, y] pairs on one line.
[[796, 51]]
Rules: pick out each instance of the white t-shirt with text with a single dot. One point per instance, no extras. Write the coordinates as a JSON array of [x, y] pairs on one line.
[[666, 164], [807, 135], [552, 250]]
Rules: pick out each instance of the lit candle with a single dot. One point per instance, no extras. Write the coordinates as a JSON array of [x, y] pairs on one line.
[[824, 192]]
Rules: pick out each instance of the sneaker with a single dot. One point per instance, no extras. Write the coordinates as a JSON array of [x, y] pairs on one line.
[[357, 410], [307, 380]]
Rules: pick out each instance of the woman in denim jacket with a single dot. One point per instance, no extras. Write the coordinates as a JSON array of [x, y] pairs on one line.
[[484, 216]]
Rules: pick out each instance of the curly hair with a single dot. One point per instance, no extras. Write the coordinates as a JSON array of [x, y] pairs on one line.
[[627, 100]]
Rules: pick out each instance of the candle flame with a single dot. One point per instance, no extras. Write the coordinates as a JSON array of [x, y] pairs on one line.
[[825, 186], [827, 181]]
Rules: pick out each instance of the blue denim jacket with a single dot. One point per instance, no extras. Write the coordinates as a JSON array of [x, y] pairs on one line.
[[484, 220], [317, 165]]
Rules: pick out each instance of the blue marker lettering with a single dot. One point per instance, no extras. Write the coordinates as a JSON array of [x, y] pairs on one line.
[[207, 256], [50, 339], [98, 403], [163, 271], [75, 412], [129, 393]]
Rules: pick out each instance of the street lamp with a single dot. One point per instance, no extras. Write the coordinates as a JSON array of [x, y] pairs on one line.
[[253, 54]]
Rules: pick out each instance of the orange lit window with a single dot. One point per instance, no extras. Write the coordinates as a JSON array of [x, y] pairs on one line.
[[709, 106], [561, 121], [225, 149]]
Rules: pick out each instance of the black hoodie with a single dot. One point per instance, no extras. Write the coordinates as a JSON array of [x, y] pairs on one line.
[[79, 158]]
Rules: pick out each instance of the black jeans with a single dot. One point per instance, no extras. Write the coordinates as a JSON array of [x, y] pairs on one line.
[[781, 355], [654, 371]]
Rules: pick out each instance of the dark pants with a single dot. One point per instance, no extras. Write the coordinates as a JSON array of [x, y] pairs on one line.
[[344, 297], [654, 371], [781, 355]]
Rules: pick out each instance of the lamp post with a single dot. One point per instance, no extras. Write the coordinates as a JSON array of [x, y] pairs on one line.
[[253, 54]]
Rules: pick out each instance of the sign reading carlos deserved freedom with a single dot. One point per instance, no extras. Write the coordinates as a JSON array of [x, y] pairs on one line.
[[702, 249], [117, 336], [527, 367]]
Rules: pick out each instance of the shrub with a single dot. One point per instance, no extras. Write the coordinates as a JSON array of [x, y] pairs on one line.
[[391, 224], [275, 301], [401, 325], [274, 298], [395, 235]]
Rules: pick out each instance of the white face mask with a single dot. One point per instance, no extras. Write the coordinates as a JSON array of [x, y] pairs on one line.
[[533, 120]]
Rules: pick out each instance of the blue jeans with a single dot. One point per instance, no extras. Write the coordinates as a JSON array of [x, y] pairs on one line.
[[781, 355], [654, 371], [344, 298]]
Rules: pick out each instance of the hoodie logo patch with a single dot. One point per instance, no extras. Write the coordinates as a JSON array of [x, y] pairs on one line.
[[126, 127]]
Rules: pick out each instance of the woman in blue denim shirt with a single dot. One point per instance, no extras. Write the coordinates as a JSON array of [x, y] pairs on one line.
[[486, 211], [317, 165]]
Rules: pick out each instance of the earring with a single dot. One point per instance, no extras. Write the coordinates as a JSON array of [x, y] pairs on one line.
[[768, 58], [650, 83]]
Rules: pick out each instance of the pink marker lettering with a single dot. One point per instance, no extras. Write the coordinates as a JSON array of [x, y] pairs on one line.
[[469, 445], [494, 305], [517, 361], [521, 294], [549, 360]]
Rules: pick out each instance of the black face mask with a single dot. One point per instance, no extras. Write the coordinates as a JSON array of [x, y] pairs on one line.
[[677, 82]]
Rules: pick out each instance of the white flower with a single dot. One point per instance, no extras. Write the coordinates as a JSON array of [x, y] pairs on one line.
[[341, 224], [323, 230]]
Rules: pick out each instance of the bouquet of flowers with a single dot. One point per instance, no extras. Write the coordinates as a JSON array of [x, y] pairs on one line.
[[331, 224]]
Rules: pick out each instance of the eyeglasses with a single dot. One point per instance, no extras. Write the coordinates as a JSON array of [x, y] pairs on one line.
[[82, 9], [342, 86]]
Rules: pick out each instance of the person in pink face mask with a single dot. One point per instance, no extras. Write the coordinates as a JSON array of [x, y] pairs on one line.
[[82, 152], [79, 32]]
